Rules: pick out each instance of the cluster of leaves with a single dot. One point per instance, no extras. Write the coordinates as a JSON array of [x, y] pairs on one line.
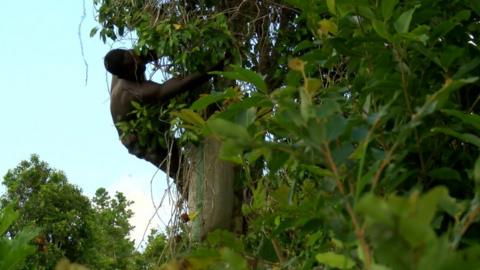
[[366, 155], [147, 127], [41, 208], [188, 45], [14, 251]]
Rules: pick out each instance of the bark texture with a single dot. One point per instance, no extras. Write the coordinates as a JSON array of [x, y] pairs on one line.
[[210, 189]]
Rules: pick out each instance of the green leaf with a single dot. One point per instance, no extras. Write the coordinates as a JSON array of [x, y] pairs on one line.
[[415, 231], [462, 15], [327, 109], [427, 205], [366, 12], [332, 259], [420, 34], [466, 68], [304, 45], [449, 54], [388, 7], [190, 117], [223, 238], [265, 249], [475, 4], [15, 251], [319, 172], [305, 103], [438, 99], [256, 154], [277, 160], [255, 100], [331, 7], [259, 197], [335, 126], [233, 260], [313, 86], [241, 74], [136, 105], [376, 209], [402, 24], [470, 119], [466, 137], [381, 29], [93, 31], [444, 173], [7, 216], [229, 130], [366, 178], [415, 225], [246, 117], [316, 132], [214, 97], [231, 151], [379, 267], [476, 172]]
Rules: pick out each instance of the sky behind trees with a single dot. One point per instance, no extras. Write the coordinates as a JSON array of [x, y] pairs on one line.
[[48, 109]]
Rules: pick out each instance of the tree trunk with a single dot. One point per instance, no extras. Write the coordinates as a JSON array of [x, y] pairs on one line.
[[210, 190]]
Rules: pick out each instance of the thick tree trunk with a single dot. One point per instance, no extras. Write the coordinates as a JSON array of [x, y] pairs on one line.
[[210, 190]]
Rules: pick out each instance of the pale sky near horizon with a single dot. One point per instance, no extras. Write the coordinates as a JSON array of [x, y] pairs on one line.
[[47, 109]]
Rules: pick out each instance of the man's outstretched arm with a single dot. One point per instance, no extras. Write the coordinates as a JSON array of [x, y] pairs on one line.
[[156, 93], [153, 92]]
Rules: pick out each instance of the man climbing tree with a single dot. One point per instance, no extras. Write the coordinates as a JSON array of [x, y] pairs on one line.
[[129, 86]]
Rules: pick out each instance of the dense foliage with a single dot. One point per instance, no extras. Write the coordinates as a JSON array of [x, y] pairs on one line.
[[44, 199], [355, 123], [46, 219]]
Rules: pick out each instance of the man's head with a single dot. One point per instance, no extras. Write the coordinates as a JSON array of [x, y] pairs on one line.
[[125, 64]]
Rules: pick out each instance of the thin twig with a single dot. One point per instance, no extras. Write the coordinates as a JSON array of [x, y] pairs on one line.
[[359, 231], [82, 18]]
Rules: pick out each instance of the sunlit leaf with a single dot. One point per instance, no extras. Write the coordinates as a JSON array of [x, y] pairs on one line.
[[313, 85], [327, 27], [229, 130], [242, 74], [190, 117], [402, 24], [331, 6], [335, 260]]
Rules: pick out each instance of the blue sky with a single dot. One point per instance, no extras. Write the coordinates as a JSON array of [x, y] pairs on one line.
[[47, 109]]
